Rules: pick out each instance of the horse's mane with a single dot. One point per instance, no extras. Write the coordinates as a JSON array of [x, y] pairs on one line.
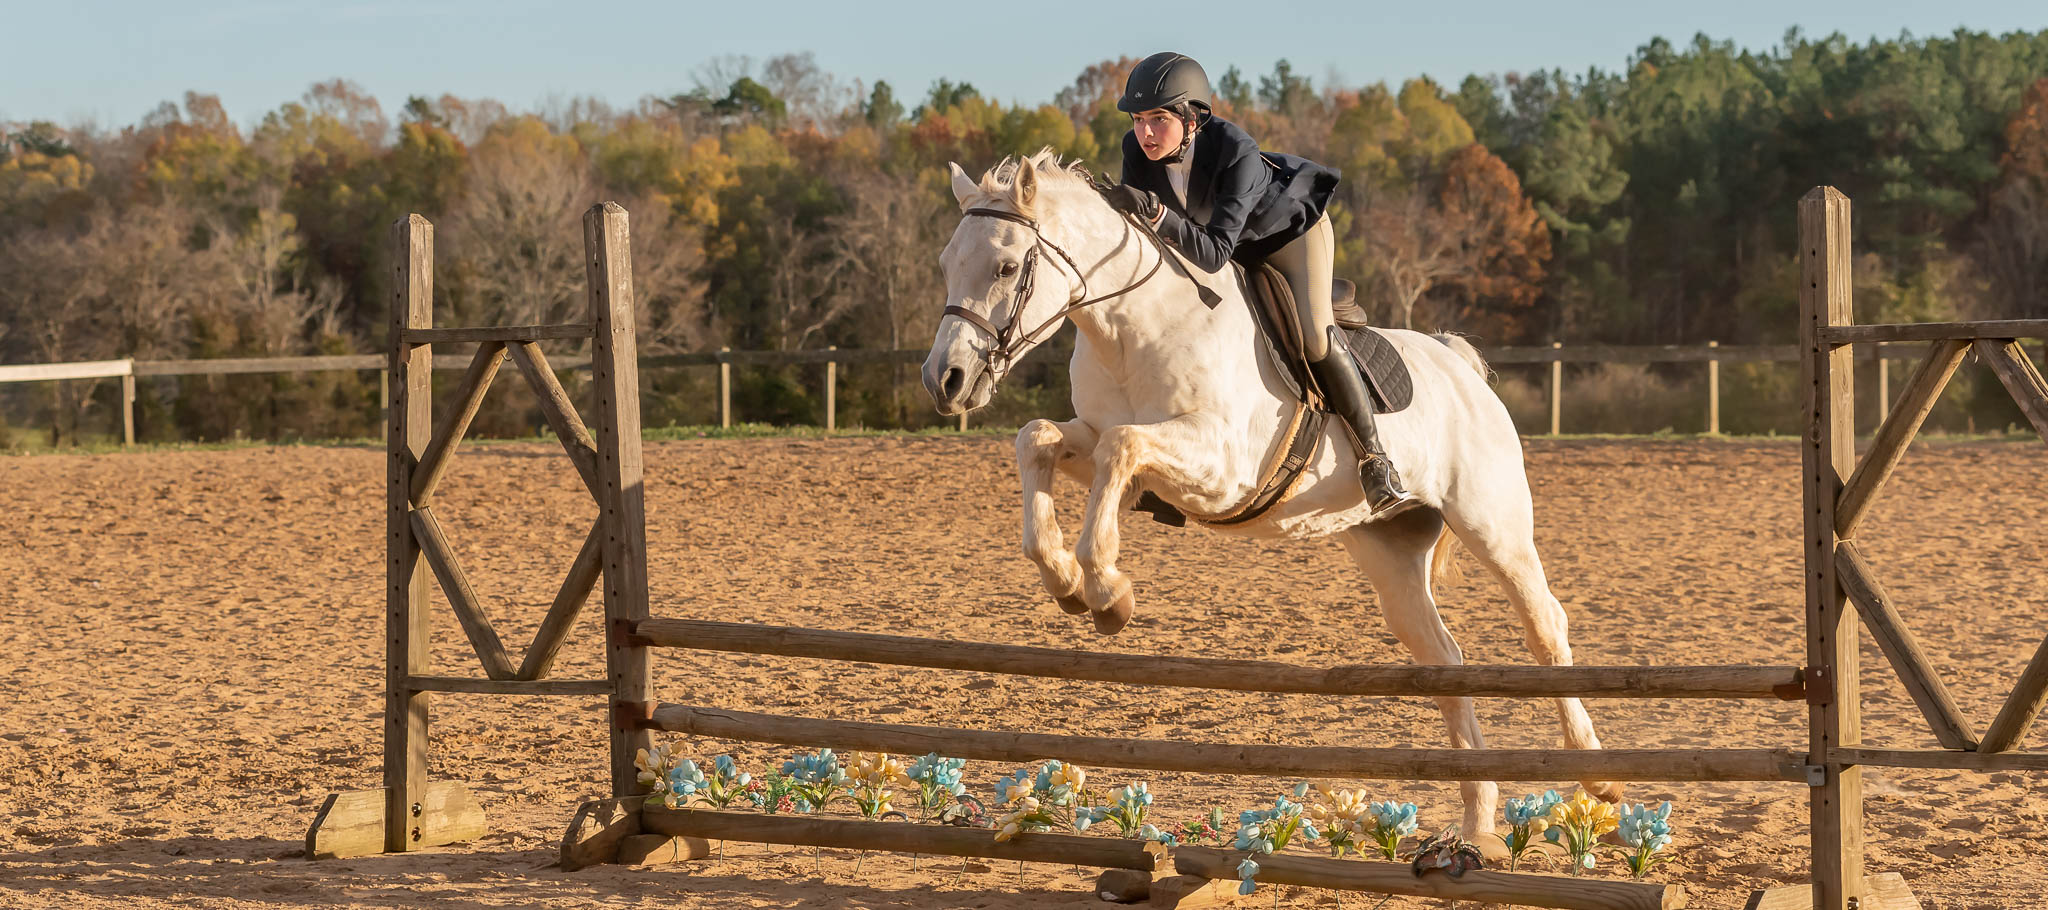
[[999, 183]]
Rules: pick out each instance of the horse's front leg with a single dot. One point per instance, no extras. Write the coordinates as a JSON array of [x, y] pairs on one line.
[[1164, 450], [1043, 447]]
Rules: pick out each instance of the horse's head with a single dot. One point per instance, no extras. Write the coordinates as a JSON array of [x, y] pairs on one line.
[[1008, 273]]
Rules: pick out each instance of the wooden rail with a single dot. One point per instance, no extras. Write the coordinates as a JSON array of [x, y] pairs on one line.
[[1236, 758], [901, 837], [1712, 354], [1226, 674], [1480, 886]]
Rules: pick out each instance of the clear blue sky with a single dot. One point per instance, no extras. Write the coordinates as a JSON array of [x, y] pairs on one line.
[[109, 62]]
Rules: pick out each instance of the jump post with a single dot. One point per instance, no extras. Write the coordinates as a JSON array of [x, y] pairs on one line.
[[410, 812]]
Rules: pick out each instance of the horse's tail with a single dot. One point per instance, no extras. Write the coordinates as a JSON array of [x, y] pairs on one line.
[[1465, 350], [1443, 563]]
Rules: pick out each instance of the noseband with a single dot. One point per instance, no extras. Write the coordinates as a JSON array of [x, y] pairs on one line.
[[1006, 341]]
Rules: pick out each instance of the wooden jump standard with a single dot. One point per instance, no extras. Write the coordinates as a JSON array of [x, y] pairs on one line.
[[410, 813]]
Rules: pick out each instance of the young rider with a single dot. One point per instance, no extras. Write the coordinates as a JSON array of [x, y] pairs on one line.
[[1212, 194]]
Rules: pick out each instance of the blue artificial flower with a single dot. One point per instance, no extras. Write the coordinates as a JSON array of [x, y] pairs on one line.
[[1394, 818], [1005, 784], [1245, 871], [821, 768], [1301, 790], [684, 779], [1641, 827]]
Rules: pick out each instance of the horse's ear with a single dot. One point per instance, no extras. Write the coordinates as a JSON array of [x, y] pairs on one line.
[[964, 187], [1026, 184]]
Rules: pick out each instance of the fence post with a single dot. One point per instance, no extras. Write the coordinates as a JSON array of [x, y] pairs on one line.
[[1884, 385], [831, 392], [1829, 457], [1556, 385], [724, 388], [128, 406], [1714, 393]]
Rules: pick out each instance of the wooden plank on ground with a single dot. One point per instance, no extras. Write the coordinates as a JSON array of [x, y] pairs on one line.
[[1220, 673], [569, 599], [1897, 432], [1944, 717], [1482, 886], [2009, 729], [1229, 758], [455, 424], [599, 826], [1192, 892], [656, 849], [507, 334], [559, 411], [2029, 391], [351, 823], [1885, 891], [483, 637], [899, 837]]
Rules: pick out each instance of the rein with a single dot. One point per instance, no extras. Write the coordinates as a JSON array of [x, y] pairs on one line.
[[1006, 340]]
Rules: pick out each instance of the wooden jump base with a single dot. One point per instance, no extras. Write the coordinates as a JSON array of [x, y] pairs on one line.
[[409, 812]]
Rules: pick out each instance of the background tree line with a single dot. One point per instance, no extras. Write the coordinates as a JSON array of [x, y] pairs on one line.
[[779, 207]]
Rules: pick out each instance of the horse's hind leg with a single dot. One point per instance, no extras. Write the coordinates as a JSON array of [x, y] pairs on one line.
[[1502, 537], [1395, 556], [1042, 447]]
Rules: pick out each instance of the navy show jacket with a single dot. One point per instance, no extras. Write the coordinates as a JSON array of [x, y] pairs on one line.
[[1242, 203]]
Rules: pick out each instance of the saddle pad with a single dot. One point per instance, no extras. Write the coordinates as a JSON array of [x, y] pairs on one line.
[[1272, 303]]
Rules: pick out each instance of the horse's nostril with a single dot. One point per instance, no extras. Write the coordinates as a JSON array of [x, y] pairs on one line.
[[954, 379]]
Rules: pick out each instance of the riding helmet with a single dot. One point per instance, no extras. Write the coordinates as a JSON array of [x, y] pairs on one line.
[[1165, 80]]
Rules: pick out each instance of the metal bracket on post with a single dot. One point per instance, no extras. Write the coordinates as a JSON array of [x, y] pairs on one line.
[[1816, 775], [1820, 686]]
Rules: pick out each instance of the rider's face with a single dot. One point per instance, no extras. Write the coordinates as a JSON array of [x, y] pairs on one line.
[[1160, 132]]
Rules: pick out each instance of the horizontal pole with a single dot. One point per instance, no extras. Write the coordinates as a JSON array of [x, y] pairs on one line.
[[1480, 886], [223, 366], [502, 333], [1945, 760], [900, 837], [1934, 331], [1229, 758], [1226, 674], [1663, 353], [509, 686], [85, 369]]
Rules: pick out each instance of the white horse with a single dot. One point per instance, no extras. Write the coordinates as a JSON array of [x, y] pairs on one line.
[[1175, 397]]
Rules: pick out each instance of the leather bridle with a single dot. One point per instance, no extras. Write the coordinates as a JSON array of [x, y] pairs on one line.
[[1006, 341]]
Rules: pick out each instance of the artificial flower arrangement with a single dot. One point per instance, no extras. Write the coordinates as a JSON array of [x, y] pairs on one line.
[[1055, 796]]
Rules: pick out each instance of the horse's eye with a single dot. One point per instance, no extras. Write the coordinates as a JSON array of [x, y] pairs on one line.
[[1008, 269]]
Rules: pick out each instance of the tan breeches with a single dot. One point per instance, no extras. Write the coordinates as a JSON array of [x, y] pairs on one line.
[[1306, 263]]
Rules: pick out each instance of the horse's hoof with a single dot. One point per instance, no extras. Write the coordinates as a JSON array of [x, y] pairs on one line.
[[1111, 619], [1072, 604], [1606, 791]]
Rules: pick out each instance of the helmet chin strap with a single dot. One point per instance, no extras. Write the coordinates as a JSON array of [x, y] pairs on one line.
[[1187, 141]]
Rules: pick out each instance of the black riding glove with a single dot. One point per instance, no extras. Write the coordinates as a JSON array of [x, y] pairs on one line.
[[1133, 201]]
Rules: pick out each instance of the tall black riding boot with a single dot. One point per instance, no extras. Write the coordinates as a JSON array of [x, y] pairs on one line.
[[1345, 394]]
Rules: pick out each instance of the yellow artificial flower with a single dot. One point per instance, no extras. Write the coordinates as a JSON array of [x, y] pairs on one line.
[[1070, 775], [1584, 812]]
